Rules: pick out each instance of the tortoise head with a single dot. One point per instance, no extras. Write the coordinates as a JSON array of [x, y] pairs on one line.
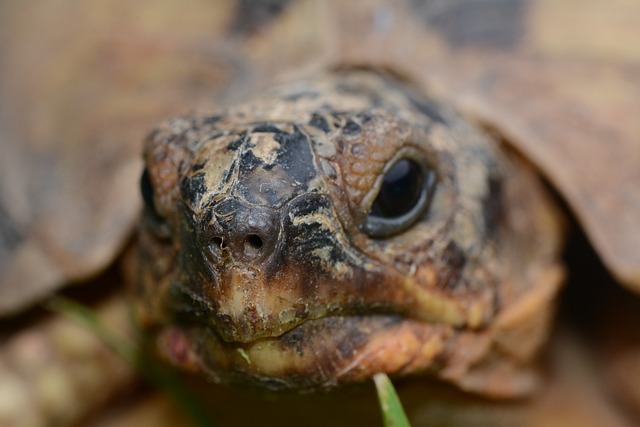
[[331, 229]]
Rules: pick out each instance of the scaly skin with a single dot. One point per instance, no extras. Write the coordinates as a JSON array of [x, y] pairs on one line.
[[465, 294]]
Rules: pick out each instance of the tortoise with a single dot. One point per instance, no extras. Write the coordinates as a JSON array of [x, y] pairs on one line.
[[381, 208]]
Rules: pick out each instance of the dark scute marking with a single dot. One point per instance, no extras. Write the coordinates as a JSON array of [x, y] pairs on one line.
[[211, 120], [249, 161], [295, 157], [193, 188], [492, 206], [229, 207], [286, 175], [197, 167], [251, 15], [304, 237], [267, 128], [454, 259], [234, 145], [228, 173], [309, 204], [491, 23], [351, 128], [428, 108], [317, 121]]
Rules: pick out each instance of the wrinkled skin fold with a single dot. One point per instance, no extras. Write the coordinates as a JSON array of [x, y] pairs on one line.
[[256, 268]]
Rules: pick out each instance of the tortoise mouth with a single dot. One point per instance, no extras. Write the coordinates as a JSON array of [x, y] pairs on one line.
[[317, 354], [292, 327]]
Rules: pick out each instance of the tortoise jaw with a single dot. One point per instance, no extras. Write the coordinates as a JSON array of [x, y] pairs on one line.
[[317, 354], [260, 327]]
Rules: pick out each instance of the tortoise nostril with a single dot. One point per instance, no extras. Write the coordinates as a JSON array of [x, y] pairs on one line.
[[218, 242], [253, 241], [243, 232]]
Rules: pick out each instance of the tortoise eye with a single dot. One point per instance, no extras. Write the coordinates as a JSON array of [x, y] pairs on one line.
[[156, 223], [404, 196]]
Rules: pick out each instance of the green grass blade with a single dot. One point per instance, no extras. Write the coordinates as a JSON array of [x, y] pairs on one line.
[[153, 372], [392, 412]]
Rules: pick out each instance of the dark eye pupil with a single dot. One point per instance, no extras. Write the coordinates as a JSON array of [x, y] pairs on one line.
[[400, 190], [403, 199]]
